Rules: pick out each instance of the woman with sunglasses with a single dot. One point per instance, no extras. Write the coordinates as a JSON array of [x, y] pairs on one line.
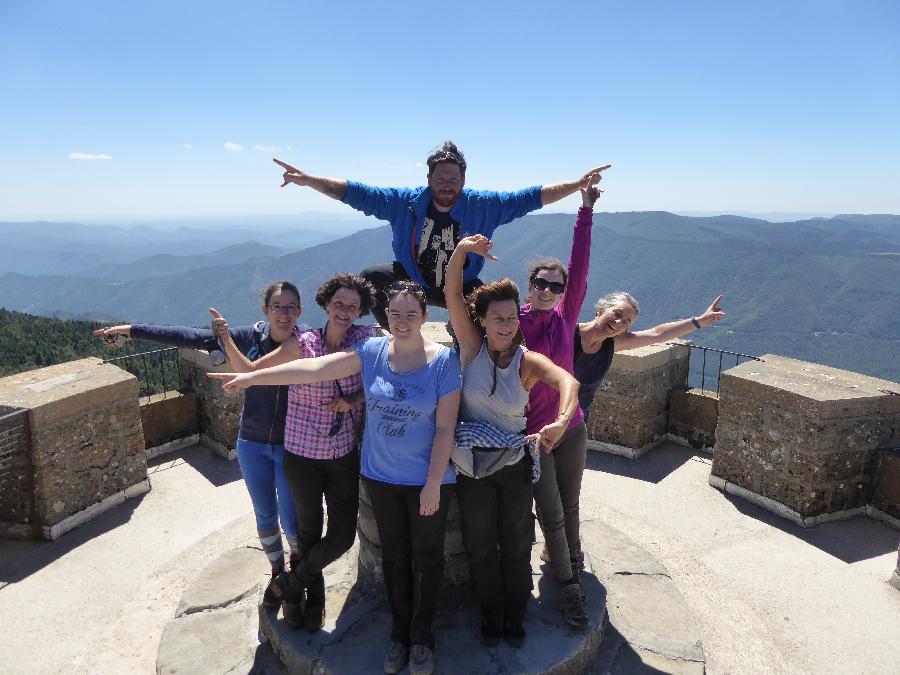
[[322, 427], [494, 481], [260, 442], [548, 322], [411, 387]]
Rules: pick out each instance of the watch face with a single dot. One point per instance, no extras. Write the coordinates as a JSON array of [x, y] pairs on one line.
[[217, 357]]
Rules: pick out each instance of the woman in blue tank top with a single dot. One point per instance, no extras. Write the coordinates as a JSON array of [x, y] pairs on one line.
[[493, 463]]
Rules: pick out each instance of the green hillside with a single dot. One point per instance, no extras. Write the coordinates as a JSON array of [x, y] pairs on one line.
[[28, 342]]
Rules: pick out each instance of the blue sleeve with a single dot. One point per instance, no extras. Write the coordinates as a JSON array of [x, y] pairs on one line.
[[179, 336], [449, 374], [383, 203], [499, 208]]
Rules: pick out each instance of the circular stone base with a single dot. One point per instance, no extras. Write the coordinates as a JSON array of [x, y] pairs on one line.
[[358, 623]]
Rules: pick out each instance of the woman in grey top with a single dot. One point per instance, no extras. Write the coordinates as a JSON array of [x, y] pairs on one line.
[[495, 499]]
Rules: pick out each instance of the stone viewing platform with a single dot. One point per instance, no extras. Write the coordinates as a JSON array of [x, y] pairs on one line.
[[715, 525]]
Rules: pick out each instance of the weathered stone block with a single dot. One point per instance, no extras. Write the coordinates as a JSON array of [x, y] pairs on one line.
[[886, 490], [168, 417], [218, 412], [86, 439], [631, 407], [802, 434], [693, 415]]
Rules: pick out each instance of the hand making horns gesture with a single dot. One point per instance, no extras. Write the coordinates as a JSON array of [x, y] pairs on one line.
[[477, 244], [219, 324]]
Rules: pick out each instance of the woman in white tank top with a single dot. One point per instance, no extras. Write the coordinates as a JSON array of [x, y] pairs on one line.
[[494, 483]]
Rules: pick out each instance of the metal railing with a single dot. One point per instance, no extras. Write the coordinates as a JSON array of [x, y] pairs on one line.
[[156, 371], [699, 370]]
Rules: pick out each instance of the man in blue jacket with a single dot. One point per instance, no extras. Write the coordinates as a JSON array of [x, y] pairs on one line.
[[427, 222]]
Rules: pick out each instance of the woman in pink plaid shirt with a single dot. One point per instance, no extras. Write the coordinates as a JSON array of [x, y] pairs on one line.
[[321, 436]]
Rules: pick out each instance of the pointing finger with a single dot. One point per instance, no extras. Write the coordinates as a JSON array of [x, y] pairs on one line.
[[215, 313], [284, 165]]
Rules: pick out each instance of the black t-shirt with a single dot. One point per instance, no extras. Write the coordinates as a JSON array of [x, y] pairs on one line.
[[440, 235], [590, 369]]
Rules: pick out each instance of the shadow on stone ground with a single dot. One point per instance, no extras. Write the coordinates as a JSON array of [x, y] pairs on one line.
[[20, 558], [206, 463], [653, 467], [850, 541]]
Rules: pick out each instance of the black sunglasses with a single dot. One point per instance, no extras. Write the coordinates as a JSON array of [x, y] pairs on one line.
[[556, 287]]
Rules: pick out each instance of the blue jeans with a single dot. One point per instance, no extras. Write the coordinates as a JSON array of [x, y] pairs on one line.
[[262, 467]]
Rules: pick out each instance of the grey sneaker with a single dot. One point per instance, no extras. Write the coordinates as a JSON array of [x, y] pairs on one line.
[[396, 657], [573, 606], [422, 660]]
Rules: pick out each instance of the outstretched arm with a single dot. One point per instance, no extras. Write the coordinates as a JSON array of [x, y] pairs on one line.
[[671, 330], [467, 333], [556, 191], [285, 352], [538, 368], [299, 371], [330, 187]]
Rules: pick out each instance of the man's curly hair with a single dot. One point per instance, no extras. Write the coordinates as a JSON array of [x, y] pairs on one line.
[[447, 153]]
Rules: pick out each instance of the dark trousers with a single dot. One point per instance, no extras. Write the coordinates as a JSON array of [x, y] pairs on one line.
[[497, 528], [557, 496], [412, 557], [382, 276], [337, 480]]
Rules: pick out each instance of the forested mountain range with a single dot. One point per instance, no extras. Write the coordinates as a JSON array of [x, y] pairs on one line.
[[825, 289]]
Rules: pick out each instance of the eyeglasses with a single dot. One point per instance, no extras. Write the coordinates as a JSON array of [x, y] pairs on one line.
[[284, 309], [556, 287]]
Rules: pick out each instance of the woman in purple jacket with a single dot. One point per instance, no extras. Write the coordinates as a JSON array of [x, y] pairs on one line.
[[548, 324]]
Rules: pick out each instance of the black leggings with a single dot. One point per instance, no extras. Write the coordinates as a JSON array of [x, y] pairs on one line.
[[412, 557], [338, 481]]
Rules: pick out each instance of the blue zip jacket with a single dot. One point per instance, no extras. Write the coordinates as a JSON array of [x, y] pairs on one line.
[[262, 417], [477, 212]]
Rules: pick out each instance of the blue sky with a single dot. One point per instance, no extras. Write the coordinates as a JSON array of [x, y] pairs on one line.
[[764, 106]]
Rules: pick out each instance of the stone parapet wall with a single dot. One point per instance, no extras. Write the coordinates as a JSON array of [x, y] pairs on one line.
[[218, 412], [16, 474], [802, 435], [168, 417], [693, 415], [86, 439], [886, 481], [629, 414], [456, 564]]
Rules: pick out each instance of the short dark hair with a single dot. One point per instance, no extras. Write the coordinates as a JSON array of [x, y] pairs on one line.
[[352, 282], [448, 153], [407, 287], [550, 264], [266, 293]]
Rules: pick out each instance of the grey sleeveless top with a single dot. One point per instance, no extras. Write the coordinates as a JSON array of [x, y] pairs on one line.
[[506, 408]]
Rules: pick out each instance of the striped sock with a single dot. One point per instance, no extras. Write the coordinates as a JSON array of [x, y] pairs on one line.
[[294, 545], [271, 544]]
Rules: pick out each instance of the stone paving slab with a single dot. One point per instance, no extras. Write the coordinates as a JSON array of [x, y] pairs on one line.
[[354, 639], [227, 579], [652, 629], [220, 641]]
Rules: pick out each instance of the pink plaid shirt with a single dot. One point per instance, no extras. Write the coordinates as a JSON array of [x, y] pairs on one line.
[[308, 421]]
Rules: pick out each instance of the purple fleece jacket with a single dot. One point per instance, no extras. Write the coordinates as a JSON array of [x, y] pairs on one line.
[[550, 332]]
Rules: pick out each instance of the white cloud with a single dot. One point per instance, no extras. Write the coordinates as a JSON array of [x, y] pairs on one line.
[[233, 147], [88, 156], [270, 149]]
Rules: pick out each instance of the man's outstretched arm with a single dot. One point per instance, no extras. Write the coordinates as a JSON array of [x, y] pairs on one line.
[[556, 191], [330, 187]]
